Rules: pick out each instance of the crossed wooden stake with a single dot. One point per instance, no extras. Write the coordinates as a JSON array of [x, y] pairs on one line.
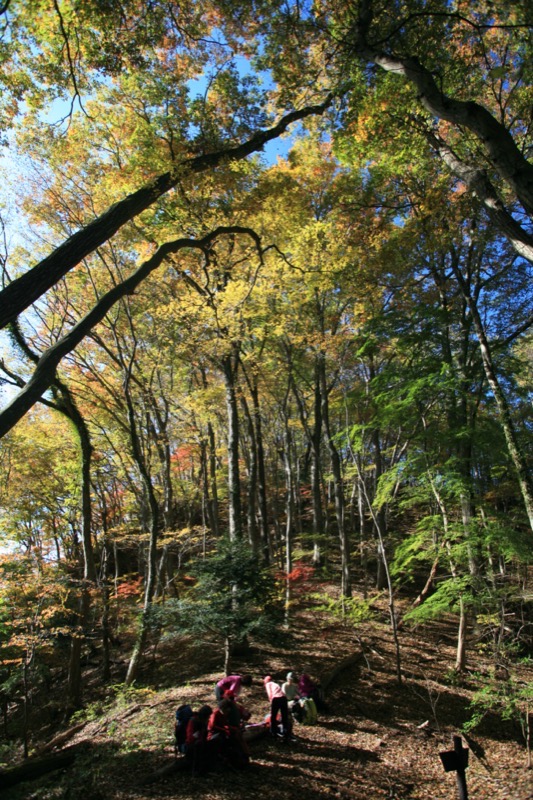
[[456, 760]]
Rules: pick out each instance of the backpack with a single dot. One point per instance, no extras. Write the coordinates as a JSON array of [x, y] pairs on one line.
[[310, 715], [183, 715]]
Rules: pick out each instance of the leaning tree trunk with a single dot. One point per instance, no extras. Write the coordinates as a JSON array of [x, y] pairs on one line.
[[66, 405]]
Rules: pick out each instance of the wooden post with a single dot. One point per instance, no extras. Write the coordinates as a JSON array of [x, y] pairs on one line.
[[456, 760]]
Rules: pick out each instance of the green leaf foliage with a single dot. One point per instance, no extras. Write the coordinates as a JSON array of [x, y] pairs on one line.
[[234, 597]]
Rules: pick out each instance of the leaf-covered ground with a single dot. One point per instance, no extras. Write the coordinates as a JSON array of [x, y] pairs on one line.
[[380, 739]]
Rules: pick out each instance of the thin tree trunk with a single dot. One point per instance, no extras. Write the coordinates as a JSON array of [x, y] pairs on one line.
[[515, 452], [338, 485], [289, 513], [251, 512], [261, 474], [153, 510], [230, 366]]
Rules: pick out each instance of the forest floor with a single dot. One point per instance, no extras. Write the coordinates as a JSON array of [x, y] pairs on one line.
[[379, 739]]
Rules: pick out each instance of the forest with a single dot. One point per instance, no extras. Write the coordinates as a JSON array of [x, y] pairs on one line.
[[266, 344]]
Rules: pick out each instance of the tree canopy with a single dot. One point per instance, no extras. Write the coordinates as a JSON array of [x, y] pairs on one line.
[[325, 356]]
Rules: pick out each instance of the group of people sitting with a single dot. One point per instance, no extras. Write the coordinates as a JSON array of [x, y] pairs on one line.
[[217, 734]]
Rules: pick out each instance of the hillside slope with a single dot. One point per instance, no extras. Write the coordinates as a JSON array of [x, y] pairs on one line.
[[380, 740]]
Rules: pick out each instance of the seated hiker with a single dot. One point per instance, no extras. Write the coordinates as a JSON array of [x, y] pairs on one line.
[[306, 687], [183, 715], [290, 690], [278, 704], [218, 728], [232, 683], [238, 715], [224, 739], [196, 751], [312, 690]]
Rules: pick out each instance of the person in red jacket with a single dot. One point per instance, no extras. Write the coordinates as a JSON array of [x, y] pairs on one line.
[[224, 740], [196, 750], [218, 727]]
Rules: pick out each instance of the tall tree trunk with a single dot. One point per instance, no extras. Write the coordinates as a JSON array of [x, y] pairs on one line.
[[208, 500], [261, 473], [251, 511], [316, 468], [153, 511], [230, 367], [68, 407], [392, 609], [289, 514], [314, 437], [338, 485], [513, 446]]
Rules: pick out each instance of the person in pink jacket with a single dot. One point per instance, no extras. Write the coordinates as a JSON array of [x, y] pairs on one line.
[[231, 683], [278, 703]]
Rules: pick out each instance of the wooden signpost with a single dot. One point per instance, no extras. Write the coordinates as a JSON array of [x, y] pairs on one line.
[[456, 760]]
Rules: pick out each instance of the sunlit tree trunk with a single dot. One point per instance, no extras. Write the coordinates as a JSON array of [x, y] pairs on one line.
[[229, 367], [252, 466], [289, 512], [261, 473]]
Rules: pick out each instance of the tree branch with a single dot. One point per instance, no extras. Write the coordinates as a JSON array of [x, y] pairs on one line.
[[501, 148], [26, 289], [44, 373]]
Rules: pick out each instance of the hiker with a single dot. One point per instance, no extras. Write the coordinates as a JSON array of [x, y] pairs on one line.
[[196, 749], [238, 714], [218, 728], [290, 690], [232, 683], [306, 687], [310, 689], [278, 703], [224, 739], [183, 716]]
